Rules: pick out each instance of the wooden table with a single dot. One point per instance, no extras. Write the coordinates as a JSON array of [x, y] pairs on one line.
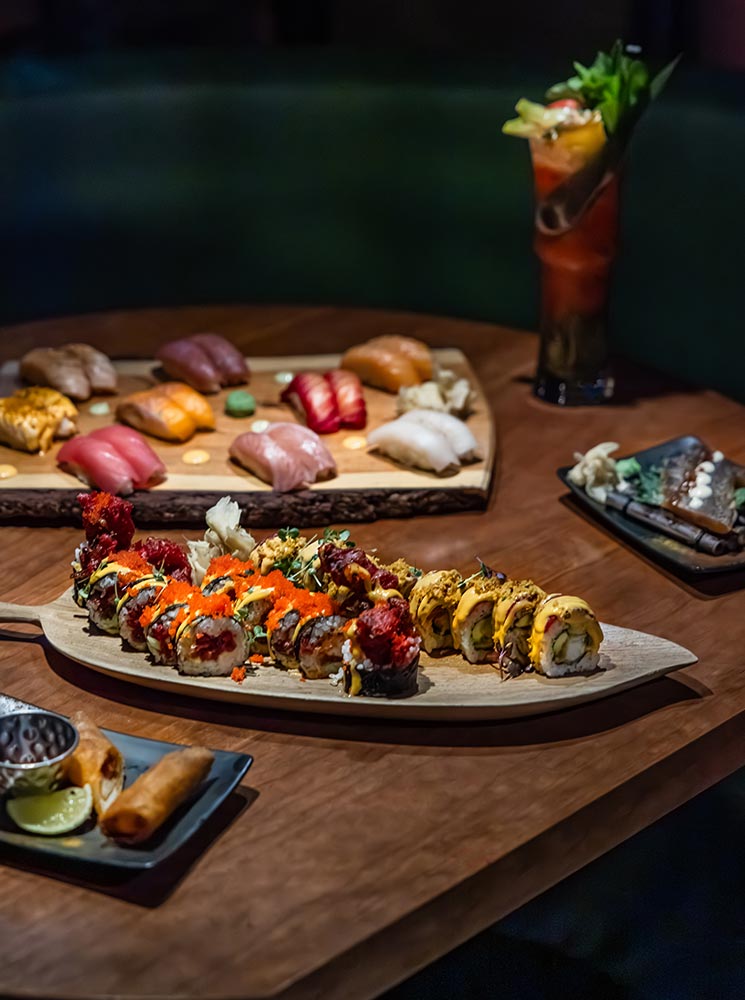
[[355, 853]]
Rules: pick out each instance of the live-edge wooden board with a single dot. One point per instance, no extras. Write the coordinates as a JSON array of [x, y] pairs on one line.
[[368, 485], [449, 688]]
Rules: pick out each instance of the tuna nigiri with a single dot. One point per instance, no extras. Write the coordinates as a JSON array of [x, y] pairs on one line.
[[350, 398], [186, 360], [230, 363], [312, 396], [147, 467], [412, 444], [97, 463]]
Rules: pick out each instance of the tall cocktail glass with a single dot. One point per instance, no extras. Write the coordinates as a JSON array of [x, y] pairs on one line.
[[576, 262]]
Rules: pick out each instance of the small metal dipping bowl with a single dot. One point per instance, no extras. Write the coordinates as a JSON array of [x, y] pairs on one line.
[[34, 746]]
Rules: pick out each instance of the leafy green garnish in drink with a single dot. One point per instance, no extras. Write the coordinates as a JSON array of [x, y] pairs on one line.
[[618, 84], [740, 498]]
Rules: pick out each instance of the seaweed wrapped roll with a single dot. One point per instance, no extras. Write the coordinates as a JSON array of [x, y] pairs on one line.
[[381, 652], [160, 620], [129, 609], [107, 584], [210, 641]]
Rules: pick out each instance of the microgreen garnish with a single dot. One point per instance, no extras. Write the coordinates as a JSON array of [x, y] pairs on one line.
[[332, 535], [285, 534]]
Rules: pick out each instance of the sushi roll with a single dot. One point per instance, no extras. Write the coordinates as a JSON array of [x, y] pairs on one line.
[[226, 575], [320, 645], [513, 624], [566, 637], [381, 652], [294, 609], [160, 620], [107, 584], [473, 621], [412, 444], [433, 602], [253, 604], [130, 606], [210, 641]]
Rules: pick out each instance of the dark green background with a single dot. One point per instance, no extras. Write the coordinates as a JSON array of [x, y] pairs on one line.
[[138, 179]]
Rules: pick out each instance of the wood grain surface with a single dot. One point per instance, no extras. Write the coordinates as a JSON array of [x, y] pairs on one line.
[[368, 485], [358, 851]]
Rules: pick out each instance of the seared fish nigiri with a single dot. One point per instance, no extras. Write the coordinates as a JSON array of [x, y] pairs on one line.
[[32, 418]]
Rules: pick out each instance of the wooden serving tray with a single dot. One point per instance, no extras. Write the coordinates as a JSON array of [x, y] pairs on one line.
[[367, 487], [449, 688]]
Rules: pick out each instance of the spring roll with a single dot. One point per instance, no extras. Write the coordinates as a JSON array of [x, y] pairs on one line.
[[146, 804], [96, 762]]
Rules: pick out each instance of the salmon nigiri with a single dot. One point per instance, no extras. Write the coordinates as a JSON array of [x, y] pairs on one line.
[[192, 401], [153, 413], [417, 352]]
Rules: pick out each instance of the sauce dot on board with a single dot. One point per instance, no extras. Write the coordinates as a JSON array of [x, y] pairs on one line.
[[259, 426], [355, 442], [195, 456], [284, 378], [8, 471]]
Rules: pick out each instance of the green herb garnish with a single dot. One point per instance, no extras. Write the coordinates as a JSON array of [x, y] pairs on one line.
[[342, 537], [284, 534], [740, 498], [617, 84], [645, 482]]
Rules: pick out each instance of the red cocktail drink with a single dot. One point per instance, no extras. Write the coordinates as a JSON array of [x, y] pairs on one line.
[[575, 272]]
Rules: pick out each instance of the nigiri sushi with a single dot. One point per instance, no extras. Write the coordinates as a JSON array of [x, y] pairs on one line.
[[350, 399], [97, 463], [148, 468], [410, 443], [286, 460], [33, 417], [98, 368], [390, 362], [173, 412], [188, 361], [191, 401], [313, 397], [459, 436], [77, 370], [229, 361], [380, 367], [308, 447]]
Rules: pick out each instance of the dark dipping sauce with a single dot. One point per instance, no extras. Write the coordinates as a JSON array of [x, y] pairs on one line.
[[34, 738]]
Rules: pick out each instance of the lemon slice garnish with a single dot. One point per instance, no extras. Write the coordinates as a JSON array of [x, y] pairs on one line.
[[53, 813]]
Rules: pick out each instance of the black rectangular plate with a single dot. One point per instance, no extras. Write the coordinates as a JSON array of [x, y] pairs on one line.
[[92, 847], [654, 543]]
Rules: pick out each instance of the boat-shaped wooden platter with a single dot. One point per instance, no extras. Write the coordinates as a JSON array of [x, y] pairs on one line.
[[367, 487], [449, 688]]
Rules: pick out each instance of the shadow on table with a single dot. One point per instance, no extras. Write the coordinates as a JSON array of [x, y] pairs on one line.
[[705, 586], [569, 725], [149, 887]]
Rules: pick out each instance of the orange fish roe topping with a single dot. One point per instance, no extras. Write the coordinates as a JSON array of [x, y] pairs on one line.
[[226, 566], [212, 606], [176, 592], [132, 561], [254, 658], [307, 603], [238, 674]]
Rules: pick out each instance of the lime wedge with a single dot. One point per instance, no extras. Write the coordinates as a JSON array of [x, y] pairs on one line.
[[53, 813]]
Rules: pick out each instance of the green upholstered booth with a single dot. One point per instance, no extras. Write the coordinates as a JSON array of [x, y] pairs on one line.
[[164, 178]]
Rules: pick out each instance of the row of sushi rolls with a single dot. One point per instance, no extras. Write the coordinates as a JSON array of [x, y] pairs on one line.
[[428, 430], [320, 607]]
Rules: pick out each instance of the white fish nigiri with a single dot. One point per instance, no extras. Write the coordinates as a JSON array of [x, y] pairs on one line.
[[410, 443], [462, 441]]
